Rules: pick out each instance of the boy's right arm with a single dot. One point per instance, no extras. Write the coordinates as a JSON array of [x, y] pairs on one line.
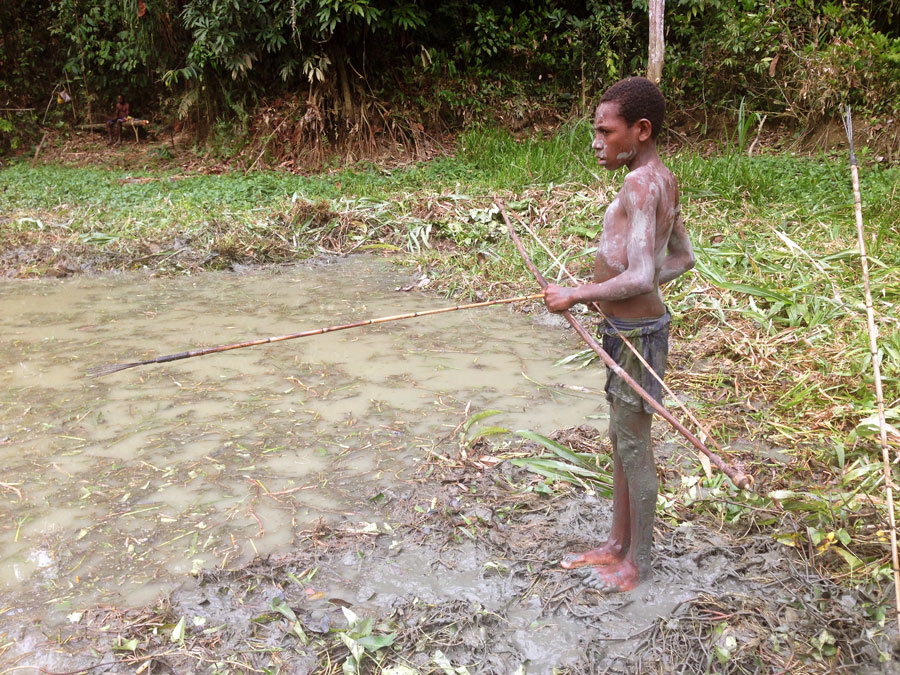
[[679, 253]]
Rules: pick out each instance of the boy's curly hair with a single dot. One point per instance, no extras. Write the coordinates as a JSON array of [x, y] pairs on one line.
[[638, 98]]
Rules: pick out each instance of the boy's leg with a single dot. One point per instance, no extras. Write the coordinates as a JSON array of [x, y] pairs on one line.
[[636, 452], [616, 545]]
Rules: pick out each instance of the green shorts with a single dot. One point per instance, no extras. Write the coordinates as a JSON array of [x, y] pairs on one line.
[[651, 338]]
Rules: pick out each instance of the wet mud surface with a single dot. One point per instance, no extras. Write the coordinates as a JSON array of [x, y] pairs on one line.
[[460, 575], [287, 508]]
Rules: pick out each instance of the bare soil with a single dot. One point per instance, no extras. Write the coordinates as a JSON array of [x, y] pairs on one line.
[[472, 582]]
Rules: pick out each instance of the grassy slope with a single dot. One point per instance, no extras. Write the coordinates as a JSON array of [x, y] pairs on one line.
[[770, 341]]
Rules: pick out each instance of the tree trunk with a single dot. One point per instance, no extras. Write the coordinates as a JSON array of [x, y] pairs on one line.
[[87, 92], [339, 56], [657, 41]]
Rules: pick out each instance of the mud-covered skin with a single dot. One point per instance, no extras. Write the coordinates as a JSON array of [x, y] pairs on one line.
[[623, 561], [643, 244]]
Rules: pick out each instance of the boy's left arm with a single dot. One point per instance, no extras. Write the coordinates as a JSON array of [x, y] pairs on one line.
[[679, 253]]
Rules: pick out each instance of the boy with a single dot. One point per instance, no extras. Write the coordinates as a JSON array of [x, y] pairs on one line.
[[123, 110], [643, 244]]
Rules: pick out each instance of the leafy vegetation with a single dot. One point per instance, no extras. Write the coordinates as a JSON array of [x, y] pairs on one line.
[[770, 343], [308, 79]]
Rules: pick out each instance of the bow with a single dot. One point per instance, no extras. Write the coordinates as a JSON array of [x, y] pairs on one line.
[[738, 477]]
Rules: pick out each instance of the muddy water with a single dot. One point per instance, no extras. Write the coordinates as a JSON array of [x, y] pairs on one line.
[[118, 488]]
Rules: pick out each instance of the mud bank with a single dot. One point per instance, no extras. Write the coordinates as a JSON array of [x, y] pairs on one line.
[[457, 573], [447, 567]]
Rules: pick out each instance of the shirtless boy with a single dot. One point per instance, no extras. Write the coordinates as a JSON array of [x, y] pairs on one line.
[[123, 110], [643, 244]]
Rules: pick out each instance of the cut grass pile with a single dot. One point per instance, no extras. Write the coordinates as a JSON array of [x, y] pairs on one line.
[[770, 343]]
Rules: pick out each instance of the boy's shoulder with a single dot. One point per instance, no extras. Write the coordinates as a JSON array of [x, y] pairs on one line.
[[651, 178], [647, 179]]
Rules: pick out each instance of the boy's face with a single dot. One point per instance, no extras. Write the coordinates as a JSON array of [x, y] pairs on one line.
[[615, 142]]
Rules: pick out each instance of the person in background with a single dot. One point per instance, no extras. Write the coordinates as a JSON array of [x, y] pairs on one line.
[[123, 111]]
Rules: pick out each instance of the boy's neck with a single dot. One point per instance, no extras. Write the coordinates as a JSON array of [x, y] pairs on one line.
[[646, 154]]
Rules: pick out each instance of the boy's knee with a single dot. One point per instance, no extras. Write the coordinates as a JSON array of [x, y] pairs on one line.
[[631, 431]]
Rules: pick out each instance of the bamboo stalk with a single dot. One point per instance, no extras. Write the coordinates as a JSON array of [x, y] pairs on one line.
[[705, 434], [99, 371], [657, 49], [737, 475], [876, 365]]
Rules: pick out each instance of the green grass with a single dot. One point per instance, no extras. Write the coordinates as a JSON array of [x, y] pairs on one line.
[[774, 308]]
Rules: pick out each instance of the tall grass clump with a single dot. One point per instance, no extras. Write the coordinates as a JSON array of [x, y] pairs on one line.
[[501, 159]]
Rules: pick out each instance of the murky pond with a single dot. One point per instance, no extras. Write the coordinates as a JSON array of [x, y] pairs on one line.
[[117, 488]]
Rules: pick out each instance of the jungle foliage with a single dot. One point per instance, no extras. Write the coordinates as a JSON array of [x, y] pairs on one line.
[[321, 73]]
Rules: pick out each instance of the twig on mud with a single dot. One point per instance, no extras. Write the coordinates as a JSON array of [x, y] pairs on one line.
[[7, 486], [262, 530]]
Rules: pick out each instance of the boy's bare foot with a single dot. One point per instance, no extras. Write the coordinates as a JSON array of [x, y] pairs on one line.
[[619, 577], [608, 554]]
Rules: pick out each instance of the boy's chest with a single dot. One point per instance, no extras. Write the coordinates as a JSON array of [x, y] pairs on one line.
[[612, 248]]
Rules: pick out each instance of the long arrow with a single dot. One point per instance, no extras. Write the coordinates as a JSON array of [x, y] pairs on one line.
[[738, 477], [99, 371]]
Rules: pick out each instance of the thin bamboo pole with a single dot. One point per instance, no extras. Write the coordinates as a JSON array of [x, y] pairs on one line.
[[876, 364], [99, 371]]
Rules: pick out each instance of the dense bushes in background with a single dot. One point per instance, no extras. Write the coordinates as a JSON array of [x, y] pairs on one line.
[[398, 67]]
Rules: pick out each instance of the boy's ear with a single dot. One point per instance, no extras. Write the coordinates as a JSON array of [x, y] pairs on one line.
[[645, 129]]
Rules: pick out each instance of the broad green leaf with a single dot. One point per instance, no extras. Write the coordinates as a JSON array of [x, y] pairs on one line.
[[350, 615], [852, 561], [362, 628], [355, 648], [279, 605], [121, 645], [488, 431], [723, 655], [477, 417], [373, 643], [350, 665], [554, 447], [555, 465]]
